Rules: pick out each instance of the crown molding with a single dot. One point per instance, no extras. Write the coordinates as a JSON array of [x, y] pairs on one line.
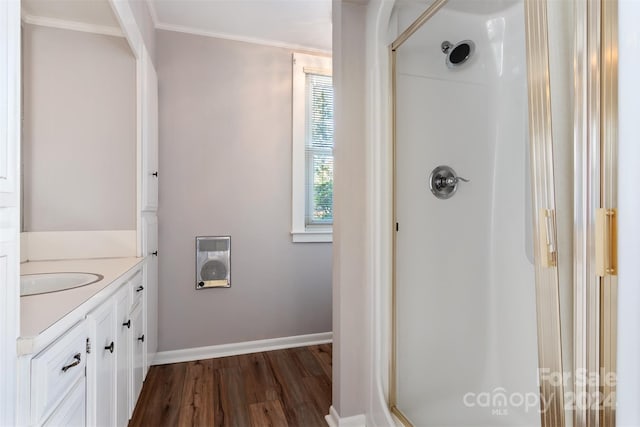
[[234, 37], [71, 25], [152, 11]]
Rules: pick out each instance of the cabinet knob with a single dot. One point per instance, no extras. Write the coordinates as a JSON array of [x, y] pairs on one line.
[[127, 324], [141, 338], [155, 253], [140, 288], [110, 347], [155, 174], [75, 362]]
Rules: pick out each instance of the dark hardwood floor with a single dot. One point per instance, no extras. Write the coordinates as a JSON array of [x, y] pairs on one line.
[[289, 387]]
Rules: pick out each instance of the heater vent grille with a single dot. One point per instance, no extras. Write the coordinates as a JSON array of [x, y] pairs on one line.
[[213, 262]]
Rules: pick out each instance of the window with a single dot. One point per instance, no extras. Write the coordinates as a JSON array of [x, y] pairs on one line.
[[312, 180]]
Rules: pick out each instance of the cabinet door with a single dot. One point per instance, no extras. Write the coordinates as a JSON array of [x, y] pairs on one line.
[[151, 311], [149, 135], [150, 250], [138, 349], [123, 354], [72, 410], [149, 234], [102, 366]]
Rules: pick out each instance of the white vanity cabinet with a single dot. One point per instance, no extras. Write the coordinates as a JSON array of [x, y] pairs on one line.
[[58, 378], [92, 374]]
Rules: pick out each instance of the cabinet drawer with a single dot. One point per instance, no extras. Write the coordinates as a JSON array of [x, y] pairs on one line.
[[56, 369]]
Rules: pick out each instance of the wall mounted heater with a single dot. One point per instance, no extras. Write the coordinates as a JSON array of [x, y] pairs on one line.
[[213, 262]]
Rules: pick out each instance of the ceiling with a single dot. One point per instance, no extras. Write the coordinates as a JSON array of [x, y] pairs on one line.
[[92, 12], [302, 24], [298, 24]]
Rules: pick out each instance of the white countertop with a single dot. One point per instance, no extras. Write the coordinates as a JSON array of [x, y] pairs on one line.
[[39, 312]]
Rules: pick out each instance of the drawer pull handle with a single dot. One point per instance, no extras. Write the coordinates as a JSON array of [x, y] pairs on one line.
[[141, 338], [76, 362], [110, 347], [140, 289], [127, 324]]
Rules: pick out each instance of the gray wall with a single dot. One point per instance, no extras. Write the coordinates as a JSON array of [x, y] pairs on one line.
[[225, 162], [79, 127]]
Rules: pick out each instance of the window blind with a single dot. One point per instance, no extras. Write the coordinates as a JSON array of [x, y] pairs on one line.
[[319, 149]]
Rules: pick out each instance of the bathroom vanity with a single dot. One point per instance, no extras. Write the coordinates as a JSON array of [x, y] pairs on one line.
[[84, 351]]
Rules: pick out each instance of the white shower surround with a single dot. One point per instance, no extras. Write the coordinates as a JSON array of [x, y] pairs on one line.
[[466, 319]]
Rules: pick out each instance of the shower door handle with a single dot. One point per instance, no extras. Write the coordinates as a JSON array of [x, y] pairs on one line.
[[547, 239]]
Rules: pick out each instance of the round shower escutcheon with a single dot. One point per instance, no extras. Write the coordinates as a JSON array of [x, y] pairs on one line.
[[443, 182], [459, 53]]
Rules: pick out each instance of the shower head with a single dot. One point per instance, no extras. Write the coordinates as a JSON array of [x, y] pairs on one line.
[[459, 53]]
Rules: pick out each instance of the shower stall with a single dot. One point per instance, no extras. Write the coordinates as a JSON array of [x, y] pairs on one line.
[[476, 310]]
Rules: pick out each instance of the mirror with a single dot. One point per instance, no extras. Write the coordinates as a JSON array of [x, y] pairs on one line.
[[79, 131]]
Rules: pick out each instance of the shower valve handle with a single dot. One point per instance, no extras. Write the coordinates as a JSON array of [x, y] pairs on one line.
[[444, 182]]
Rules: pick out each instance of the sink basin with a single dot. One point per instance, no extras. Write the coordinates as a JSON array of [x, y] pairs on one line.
[[34, 284]]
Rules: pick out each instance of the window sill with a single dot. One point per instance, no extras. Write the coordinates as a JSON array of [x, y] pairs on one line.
[[312, 236]]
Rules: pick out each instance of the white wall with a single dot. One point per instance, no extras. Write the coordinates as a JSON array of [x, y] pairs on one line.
[[225, 162], [350, 288], [79, 127]]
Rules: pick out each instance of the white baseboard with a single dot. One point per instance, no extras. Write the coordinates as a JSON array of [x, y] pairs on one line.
[[223, 350], [334, 420]]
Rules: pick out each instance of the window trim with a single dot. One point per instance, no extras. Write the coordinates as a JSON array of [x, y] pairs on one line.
[[300, 231]]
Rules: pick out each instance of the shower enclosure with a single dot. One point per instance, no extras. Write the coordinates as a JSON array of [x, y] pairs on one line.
[[476, 310]]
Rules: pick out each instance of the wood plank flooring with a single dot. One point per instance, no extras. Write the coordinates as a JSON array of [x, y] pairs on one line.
[[289, 387]]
